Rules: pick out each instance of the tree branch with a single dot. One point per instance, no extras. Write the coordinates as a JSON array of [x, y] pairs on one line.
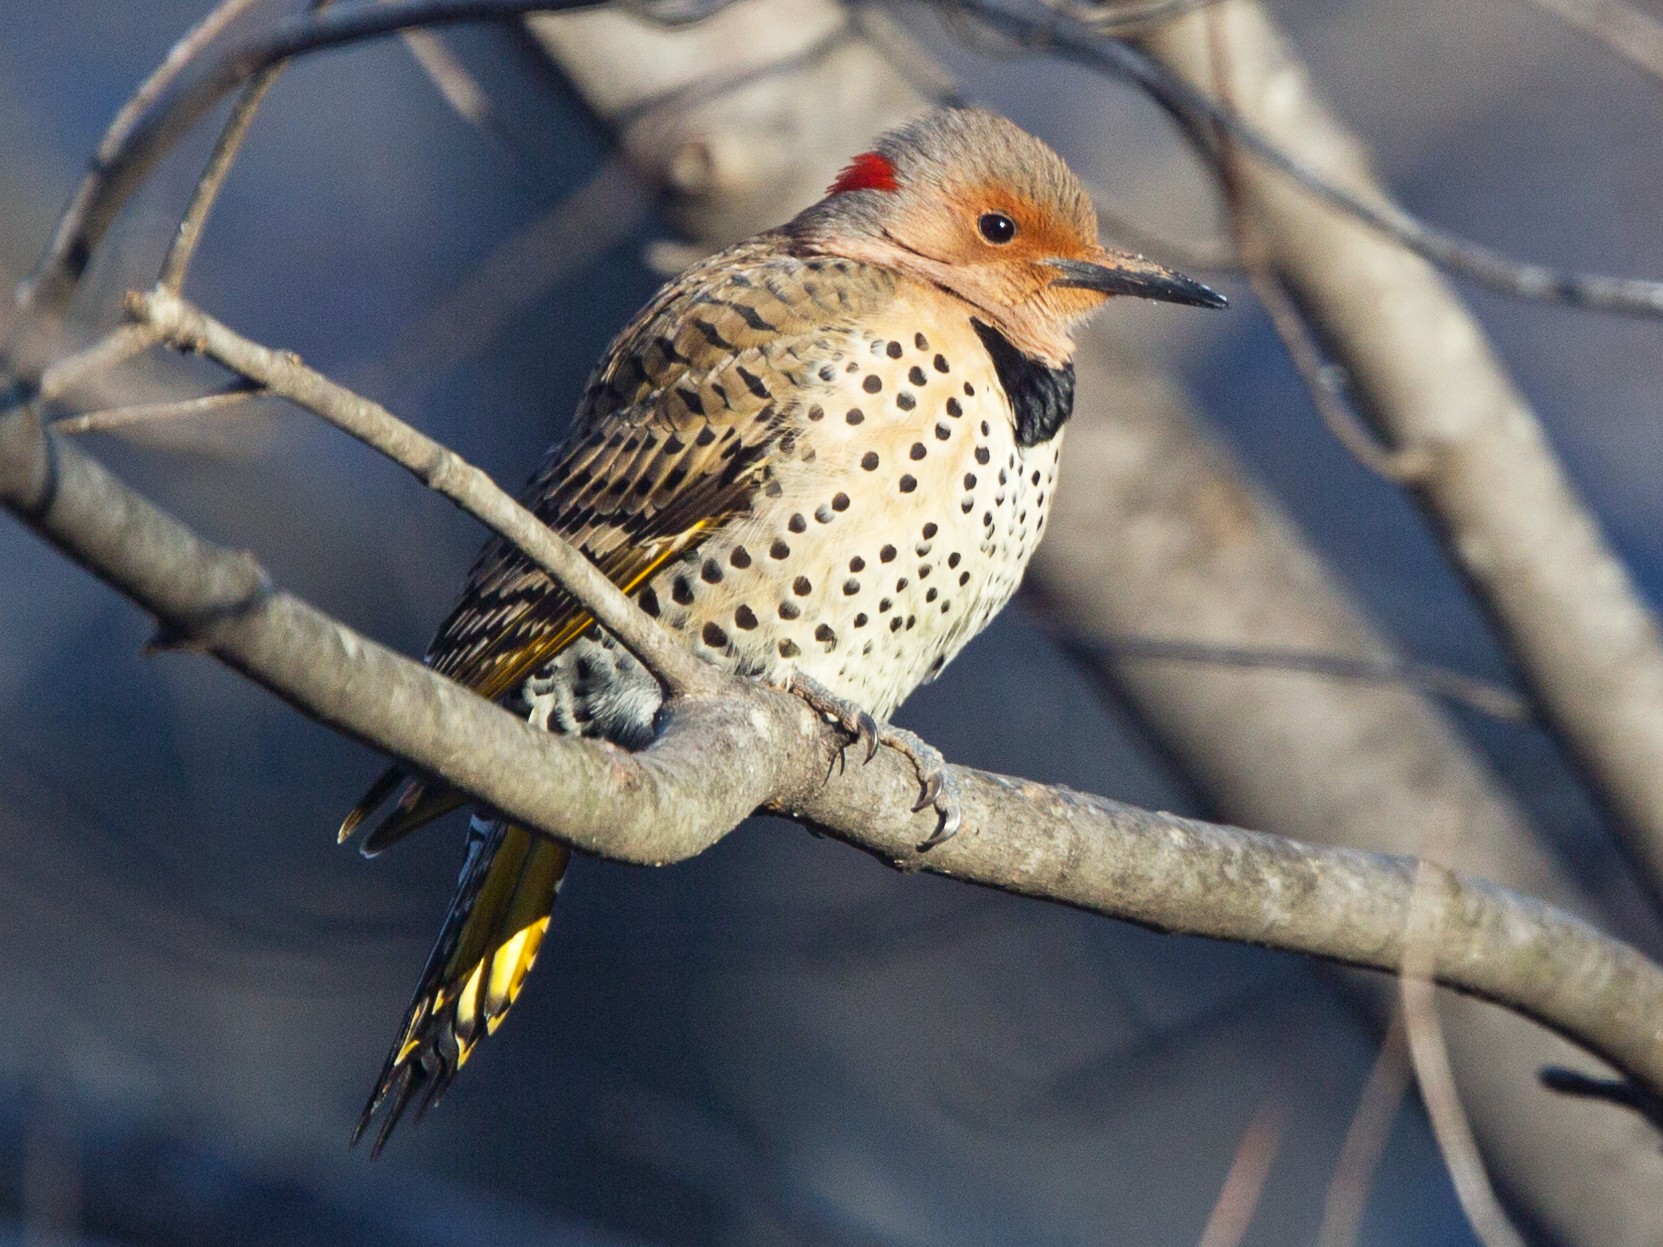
[[719, 757], [1586, 642], [182, 251], [1198, 547], [1635, 36], [1063, 847], [119, 134], [1517, 279], [115, 419], [280, 373], [143, 133]]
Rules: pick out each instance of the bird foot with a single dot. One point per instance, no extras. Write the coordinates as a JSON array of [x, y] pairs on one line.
[[937, 786]]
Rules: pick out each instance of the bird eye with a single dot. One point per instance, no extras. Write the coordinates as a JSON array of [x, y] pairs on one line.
[[996, 227]]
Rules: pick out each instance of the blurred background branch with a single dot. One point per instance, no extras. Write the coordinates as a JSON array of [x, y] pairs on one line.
[[729, 747], [1193, 542], [726, 127]]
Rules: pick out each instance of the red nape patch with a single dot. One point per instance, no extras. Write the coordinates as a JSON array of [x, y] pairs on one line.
[[868, 171]]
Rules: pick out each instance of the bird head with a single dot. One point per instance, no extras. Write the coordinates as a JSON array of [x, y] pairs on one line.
[[972, 203]]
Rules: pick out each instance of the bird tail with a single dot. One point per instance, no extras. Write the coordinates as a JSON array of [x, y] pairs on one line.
[[486, 948]]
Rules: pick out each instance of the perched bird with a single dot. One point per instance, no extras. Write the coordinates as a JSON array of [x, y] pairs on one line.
[[821, 457]]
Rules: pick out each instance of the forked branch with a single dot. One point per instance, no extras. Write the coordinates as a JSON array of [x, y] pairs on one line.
[[735, 747]]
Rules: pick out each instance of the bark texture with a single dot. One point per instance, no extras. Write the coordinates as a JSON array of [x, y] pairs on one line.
[[1199, 553]]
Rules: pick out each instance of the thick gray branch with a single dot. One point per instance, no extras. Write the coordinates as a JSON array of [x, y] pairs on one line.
[[718, 758], [742, 102], [1587, 643]]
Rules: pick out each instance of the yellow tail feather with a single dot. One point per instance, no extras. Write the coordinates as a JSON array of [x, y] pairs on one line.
[[475, 972]]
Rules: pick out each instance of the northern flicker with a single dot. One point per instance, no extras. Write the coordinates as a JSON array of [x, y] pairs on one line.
[[821, 457]]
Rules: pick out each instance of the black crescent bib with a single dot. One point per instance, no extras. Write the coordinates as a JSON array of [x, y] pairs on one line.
[[1041, 396]]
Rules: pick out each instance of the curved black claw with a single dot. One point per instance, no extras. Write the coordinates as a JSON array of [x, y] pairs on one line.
[[933, 783], [861, 726], [937, 786], [952, 818], [866, 728]]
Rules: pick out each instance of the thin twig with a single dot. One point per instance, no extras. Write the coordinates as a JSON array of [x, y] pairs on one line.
[[1238, 1198], [1483, 264], [177, 262], [519, 271], [1365, 1140], [114, 348], [1635, 36], [1429, 1057], [131, 151], [188, 329], [1127, 17], [1489, 699], [117, 138], [1218, 256], [1327, 382], [721, 755], [459, 88], [1324, 380], [113, 419], [1615, 1091]]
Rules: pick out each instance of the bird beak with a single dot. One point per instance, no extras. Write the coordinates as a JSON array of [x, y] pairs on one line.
[[1122, 273]]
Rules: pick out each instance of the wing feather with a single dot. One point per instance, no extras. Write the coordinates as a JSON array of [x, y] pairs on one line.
[[678, 430]]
